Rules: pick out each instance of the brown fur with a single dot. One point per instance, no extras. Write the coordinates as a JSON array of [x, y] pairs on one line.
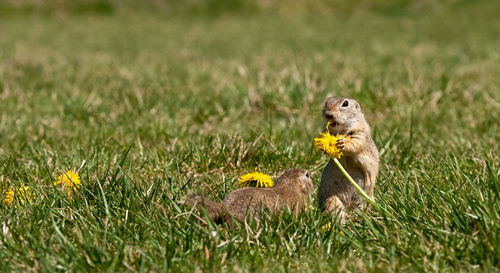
[[290, 191], [360, 157]]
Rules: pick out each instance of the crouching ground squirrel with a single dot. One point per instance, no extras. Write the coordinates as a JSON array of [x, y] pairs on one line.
[[360, 157], [290, 191]]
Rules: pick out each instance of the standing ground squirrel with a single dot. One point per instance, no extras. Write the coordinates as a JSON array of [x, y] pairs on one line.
[[290, 191], [360, 157]]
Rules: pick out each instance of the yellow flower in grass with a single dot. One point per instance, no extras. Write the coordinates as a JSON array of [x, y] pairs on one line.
[[23, 194], [256, 179], [328, 143], [328, 227], [70, 180]]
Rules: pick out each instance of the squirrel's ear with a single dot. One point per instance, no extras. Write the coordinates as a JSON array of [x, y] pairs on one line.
[[357, 105]]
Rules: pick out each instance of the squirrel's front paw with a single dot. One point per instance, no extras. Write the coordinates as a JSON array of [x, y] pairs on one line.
[[341, 143]]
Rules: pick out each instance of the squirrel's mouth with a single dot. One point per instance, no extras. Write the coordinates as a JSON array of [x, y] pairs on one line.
[[333, 127], [332, 124]]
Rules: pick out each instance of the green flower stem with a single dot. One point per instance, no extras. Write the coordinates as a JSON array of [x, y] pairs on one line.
[[360, 190]]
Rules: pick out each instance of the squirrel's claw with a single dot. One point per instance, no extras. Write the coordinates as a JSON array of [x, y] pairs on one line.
[[340, 144]]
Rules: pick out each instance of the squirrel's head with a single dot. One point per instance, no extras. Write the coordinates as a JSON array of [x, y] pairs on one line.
[[342, 113], [297, 179]]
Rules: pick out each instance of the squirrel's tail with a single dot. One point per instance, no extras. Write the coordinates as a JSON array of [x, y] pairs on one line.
[[216, 211]]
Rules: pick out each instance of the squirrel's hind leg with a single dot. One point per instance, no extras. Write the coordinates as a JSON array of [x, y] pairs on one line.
[[333, 205]]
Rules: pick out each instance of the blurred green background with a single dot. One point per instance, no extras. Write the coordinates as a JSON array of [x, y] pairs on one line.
[[212, 8]]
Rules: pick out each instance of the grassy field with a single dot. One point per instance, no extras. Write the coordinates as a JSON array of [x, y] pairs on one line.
[[151, 107]]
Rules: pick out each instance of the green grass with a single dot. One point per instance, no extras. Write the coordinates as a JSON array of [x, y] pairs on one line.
[[159, 107]]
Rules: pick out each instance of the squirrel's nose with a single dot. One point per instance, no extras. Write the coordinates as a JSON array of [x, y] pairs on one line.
[[331, 108]]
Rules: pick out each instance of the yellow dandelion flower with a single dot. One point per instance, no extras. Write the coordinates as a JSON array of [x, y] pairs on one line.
[[23, 194], [325, 228], [328, 143], [9, 197], [256, 179], [328, 227], [70, 180]]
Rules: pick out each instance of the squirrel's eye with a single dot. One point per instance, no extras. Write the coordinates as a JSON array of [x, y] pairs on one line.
[[307, 174], [345, 104]]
